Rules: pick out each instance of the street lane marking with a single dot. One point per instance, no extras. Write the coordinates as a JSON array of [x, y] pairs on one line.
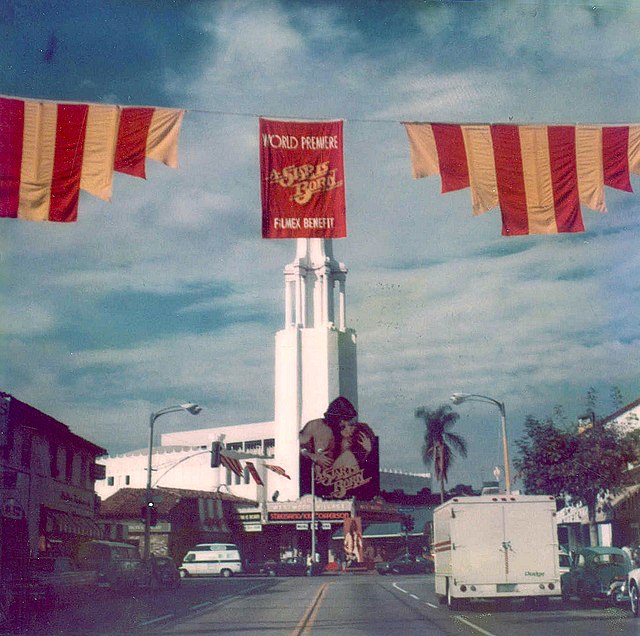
[[462, 619], [158, 619], [400, 589], [431, 605], [414, 596], [309, 617], [200, 605]]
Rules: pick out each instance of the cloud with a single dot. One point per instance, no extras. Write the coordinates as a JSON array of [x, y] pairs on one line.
[[168, 293]]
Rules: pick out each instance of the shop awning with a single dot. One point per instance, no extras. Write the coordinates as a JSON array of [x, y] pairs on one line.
[[380, 531], [422, 518], [59, 522]]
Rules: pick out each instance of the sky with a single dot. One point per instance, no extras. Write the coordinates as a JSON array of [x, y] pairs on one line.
[[168, 293]]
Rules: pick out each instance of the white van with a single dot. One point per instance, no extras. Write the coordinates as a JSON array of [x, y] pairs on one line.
[[209, 559]]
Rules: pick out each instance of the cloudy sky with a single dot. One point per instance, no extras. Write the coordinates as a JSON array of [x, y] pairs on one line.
[[169, 294]]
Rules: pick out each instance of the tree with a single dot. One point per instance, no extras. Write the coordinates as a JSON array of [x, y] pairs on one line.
[[440, 444], [585, 466]]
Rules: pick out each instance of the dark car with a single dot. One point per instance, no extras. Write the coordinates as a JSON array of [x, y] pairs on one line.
[[405, 564], [293, 566], [57, 580], [592, 572], [164, 572]]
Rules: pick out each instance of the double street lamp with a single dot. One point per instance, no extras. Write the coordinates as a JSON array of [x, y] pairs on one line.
[[459, 398], [194, 409]]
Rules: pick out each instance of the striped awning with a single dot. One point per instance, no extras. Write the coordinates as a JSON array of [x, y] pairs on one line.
[[59, 522]]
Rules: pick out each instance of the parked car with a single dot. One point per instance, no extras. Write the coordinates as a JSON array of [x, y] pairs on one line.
[[56, 580], [405, 564], [564, 562], [592, 572], [292, 566], [163, 572], [118, 565], [633, 589]]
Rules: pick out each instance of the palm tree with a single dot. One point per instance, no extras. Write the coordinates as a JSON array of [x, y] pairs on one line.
[[440, 444]]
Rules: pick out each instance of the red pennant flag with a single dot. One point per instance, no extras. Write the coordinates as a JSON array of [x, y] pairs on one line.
[[538, 175], [232, 464], [277, 469], [254, 473], [302, 179], [51, 151]]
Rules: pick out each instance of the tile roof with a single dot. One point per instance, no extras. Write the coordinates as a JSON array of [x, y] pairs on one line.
[[126, 502]]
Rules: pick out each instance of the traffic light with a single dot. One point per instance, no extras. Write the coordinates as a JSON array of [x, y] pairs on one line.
[[407, 523], [215, 454], [153, 513]]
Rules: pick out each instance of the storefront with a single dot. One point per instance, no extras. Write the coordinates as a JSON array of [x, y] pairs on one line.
[[283, 529]]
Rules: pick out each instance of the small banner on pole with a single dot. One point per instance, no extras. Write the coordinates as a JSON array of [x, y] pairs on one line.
[[302, 179]]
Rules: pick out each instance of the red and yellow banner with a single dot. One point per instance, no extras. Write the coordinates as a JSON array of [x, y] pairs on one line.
[[50, 151], [538, 175], [302, 179]]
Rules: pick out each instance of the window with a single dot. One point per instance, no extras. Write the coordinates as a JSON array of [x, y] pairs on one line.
[[246, 475], [269, 447], [127, 480], [110, 481], [228, 478], [53, 459], [25, 451], [236, 446], [68, 473], [253, 445]]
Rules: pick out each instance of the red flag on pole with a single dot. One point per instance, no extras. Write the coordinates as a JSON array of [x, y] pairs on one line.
[[277, 469], [232, 464], [254, 473], [302, 179]]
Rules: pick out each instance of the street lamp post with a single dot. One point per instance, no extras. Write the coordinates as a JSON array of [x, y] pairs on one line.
[[459, 398], [194, 409], [313, 506]]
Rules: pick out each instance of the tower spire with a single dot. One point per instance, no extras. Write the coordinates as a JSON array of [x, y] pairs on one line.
[[310, 286], [315, 359]]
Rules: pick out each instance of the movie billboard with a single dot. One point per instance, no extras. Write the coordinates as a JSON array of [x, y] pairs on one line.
[[344, 460]]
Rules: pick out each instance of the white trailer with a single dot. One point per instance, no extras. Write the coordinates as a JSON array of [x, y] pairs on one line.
[[494, 547]]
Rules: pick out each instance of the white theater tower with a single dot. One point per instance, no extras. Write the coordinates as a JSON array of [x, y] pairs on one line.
[[315, 353]]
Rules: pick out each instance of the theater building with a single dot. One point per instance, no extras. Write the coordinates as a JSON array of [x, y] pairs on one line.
[[315, 362]]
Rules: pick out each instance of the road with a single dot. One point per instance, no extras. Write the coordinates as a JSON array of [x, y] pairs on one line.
[[297, 606]]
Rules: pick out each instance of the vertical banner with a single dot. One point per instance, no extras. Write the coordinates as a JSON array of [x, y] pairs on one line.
[[353, 545], [302, 179]]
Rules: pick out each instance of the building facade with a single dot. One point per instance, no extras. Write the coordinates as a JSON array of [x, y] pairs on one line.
[[47, 494]]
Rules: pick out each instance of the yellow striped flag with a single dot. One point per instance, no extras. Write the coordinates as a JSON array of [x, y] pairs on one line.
[[50, 151], [538, 175]]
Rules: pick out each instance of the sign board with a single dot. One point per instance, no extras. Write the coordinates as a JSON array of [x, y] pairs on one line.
[[302, 526], [252, 527], [321, 515], [11, 509]]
